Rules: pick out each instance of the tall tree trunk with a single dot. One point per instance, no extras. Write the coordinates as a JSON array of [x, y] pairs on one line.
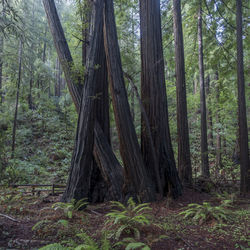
[[102, 148], [184, 162], [78, 185], [20, 55], [30, 100], [242, 119], [153, 93], [1, 69], [58, 79], [65, 58], [204, 147], [135, 172], [218, 132], [209, 114], [45, 44]]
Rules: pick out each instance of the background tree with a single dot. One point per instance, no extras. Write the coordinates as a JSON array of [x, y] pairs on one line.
[[184, 162], [204, 146], [243, 133]]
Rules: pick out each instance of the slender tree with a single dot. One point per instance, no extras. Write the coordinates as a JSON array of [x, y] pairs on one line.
[[209, 114], [218, 130], [242, 119], [153, 93], [20, 58], [204, 146], [184, 162], [1, 67]]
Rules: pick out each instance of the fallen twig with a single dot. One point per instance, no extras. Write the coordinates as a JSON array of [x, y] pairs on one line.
[[10, 218]]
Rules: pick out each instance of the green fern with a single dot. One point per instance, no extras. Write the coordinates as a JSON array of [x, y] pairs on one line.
[[130, 243], [54, 246], [68, 208], [206, 212], [129, 218]]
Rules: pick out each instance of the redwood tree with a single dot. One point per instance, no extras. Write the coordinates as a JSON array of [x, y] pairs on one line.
[[153, 93], [242, 119], [78, 185], [184, 162], [204, 146], [104, 155], [136, 179]]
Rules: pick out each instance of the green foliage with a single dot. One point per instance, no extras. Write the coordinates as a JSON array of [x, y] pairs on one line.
[[69, 208], [87, 243], [54, 246], [129, 219], [206, 212], [130, 243]]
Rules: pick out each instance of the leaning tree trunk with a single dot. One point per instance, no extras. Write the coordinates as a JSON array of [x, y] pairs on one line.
[[20, 55], [78, 185], [204, 147], [153, 93], [102, 147], [135, 172], [242, 118], [184, 161]]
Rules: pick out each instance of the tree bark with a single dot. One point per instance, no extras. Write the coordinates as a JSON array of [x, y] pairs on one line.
[[1, 69], [135, 172], [153, 93], [65, 58], [218, 132], [204, 147], [102, 107], [184, 162], [209, 114], [20, 55], [78, 185], [242, 118]]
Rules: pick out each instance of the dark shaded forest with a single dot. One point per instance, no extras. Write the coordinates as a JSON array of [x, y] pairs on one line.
[[124, 124]]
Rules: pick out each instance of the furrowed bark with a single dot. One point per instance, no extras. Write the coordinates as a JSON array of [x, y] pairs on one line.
[[78, 185], [153, 94], [101, 105], [135, 172], [204, 146], [184, 161], [242, 118]]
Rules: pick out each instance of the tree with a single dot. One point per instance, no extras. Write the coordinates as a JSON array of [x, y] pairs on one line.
[[204, 146], [136, 178], [78, 182], [20, 57], [1, 67], [242, 119], [153, 93], [184, 162], [107, 162]]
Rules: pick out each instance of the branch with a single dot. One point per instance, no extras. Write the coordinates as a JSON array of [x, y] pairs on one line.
[[10, 218]]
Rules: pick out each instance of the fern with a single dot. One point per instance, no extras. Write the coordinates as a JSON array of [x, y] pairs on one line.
[[54, 246], [70, 207], [206, 212], [129, 219]]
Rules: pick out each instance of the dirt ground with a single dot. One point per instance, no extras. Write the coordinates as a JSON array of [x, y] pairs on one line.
[[169, 230]]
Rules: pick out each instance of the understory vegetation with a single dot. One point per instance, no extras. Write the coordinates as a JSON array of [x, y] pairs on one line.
[[214, 222]]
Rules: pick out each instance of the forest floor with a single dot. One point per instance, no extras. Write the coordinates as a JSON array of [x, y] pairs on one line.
[[30, 222]]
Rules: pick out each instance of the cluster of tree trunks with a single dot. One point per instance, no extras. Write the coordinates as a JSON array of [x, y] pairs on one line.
[[95, 172]]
